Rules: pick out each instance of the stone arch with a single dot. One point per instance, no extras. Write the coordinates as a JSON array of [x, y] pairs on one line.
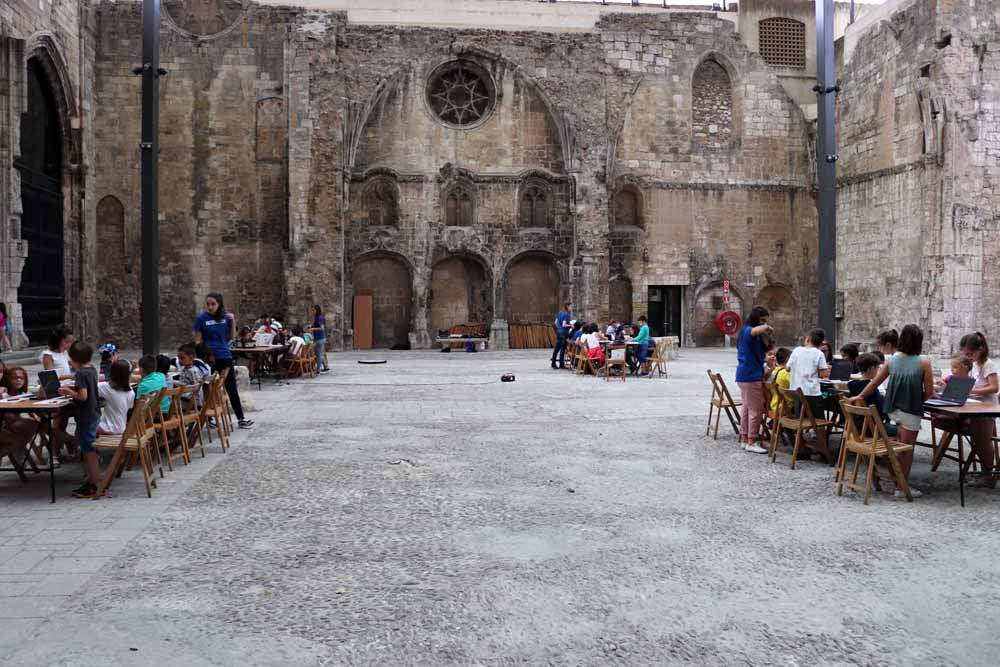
[[388, 279], [111, 238], [460, 292], [627, 207], [620, 298], [458, 203], [707, 304], [272, 126], [532, 289], [380, 202], [784, 313], [50, 192], [715, 106], [534, 203]]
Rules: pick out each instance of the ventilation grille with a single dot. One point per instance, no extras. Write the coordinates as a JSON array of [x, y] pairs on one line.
[[783, 42]]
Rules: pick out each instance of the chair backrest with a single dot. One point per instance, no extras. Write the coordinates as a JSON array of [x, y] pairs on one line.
[[174, 395], [789, 396], [142, 413], [723, 390], [617, 353], [769, 393], [872, 429]]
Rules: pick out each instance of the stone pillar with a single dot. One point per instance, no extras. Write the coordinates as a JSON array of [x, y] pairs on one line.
[[13, 251], [499, 335]]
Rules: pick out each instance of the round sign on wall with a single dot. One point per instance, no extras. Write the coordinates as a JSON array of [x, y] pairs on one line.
[[728, 322]]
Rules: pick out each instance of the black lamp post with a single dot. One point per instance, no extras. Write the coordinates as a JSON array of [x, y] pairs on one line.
[[826, 157]]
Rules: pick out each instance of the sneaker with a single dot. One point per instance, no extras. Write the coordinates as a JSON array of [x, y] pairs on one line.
[[245, 423], [85, 490], [755, 448], [743, 445], [211, 422], [55, 462], [898, 493]]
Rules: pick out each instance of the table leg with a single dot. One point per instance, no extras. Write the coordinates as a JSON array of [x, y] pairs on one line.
[[52, 449], [961, 470]]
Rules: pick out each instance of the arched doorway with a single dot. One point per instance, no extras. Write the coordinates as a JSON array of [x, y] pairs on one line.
[[711, 302], [386, 278], [43, 288], [531, 295], [783, 314], [460, 294], [620, 299]]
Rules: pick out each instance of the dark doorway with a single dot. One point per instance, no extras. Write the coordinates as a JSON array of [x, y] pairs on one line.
[[665, 310], [42, 291]]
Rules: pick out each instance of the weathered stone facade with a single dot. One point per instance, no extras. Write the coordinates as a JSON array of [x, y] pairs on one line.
[[307, 158], [919, 191]]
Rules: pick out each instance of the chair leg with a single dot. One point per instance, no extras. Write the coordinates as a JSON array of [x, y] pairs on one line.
[[941, 449], [708, 428], [841, 472], [164, 443], [718, 416], [795, 448], [869, 477], [841, 462]]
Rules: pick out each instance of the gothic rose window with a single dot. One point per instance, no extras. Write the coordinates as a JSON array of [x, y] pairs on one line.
[[460, 94]]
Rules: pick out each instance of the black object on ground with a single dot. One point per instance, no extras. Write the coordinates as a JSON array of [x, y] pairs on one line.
[[371, 362], [507, 377]]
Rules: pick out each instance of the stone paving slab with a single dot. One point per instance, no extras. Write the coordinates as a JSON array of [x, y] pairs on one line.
[[422, 513]]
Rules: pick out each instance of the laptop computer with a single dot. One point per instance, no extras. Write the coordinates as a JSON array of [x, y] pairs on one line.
[[49, 383], [955, 393], [841, 370]]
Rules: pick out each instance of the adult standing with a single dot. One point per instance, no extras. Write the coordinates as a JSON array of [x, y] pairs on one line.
[[750, 352], [318, 330], [216, 327], [562, 332]]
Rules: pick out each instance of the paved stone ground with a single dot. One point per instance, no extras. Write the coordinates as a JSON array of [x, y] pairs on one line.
[[423, 513]]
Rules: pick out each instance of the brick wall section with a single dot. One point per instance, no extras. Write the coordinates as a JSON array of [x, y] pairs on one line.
[[919, 208]]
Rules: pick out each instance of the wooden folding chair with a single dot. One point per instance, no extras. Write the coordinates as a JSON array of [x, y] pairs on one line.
[[171, 421], [616, 359], [804, 422], [223, 408], [722, 401], [868, 442], [190, 415], [657, 363], [137, 442], [209, 409]]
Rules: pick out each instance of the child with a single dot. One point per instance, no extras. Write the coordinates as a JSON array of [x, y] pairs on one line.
[[109, 355], [54, 357], [152, 381], [868, 365], [961, 367], [850, 352], [806, 366], [911, 382], [5, 328], [15, 383], [887, 342], [781, 377], [295, 344], [642, 338], [592, 339], [118, 399], [87, 412], [191, 371]]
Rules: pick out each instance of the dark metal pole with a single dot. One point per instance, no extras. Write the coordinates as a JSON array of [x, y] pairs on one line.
[[150, 148], [826, 158]]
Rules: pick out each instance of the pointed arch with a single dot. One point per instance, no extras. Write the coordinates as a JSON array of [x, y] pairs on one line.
[[458, 203], [716, 120], [380, 202]]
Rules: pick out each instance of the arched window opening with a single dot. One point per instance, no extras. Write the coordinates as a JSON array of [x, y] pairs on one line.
[[459, 206], [535, 205], [381, 203], [711, 105], [627, 208]]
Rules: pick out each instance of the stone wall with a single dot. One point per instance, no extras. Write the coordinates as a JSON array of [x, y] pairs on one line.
[[303, 155], [919, 208], [59, 34]]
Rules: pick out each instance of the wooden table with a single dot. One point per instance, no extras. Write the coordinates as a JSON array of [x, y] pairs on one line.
[[969, 410], [254, 354], [45, 409]]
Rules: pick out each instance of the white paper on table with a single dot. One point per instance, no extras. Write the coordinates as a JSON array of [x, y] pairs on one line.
[[54, 401]]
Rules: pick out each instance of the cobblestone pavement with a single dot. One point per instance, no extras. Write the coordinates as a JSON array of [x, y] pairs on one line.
[[423, 513]]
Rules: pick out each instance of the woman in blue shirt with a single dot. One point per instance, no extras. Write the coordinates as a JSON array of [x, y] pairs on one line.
[[750, 352], [216, 327], [318, 330]]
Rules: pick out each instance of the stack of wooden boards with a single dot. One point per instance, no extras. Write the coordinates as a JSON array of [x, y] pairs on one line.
[[521, 336]]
